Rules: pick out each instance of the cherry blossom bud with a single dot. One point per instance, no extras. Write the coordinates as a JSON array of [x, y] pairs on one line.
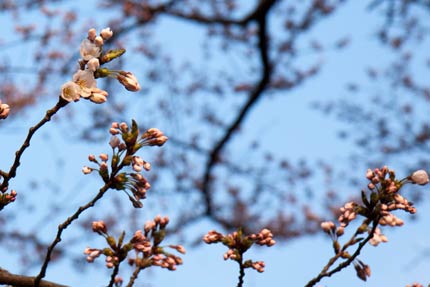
[[98, 96], [106, 33], [114, 142], [150, 224], [92, 33], [98, 41], [104, 157], [4, 110], [147, 166], [93, 64], [87, 170], [420, 177], [328, 226], [103, 166], [369, 174], [70, 91], [137, 168], [99, 227], [178, 248], [129, 81]]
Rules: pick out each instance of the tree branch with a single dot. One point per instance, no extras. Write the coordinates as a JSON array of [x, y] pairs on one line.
[[23, 281], [12, 172], [253, 98], [62, 227]]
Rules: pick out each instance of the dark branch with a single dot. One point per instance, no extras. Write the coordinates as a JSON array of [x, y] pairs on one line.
[[253, 98], [23, 281]]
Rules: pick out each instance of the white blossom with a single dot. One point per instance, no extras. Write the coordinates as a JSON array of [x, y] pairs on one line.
[[89, 50], [70, 91]]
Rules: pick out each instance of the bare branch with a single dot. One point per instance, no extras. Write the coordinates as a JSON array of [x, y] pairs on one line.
[[23, 281]]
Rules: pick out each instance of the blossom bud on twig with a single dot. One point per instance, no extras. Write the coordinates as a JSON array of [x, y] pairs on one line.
[[420, 177], [4, 110], [129, 81]]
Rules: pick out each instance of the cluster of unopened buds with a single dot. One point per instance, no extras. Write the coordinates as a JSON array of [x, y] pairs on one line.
[[83, 83], [125, 142], [238, 244], [4, 110], [145, 243], [376, 209]]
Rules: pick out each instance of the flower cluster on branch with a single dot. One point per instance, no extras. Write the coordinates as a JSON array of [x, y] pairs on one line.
[[377, 208], [238, 244], [83, 83]]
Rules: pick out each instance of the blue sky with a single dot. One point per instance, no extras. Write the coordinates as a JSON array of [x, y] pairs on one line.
[[310, 134]]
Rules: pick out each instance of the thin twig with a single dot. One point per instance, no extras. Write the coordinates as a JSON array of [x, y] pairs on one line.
[[12, 172], [113, 275], [134, 276], [344, 264], [241, 273], [63, 226]]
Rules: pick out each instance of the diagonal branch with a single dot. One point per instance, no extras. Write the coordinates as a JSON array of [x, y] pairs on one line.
[[12, 172]]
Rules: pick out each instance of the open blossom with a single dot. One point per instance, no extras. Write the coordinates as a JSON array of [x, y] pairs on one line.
[[4, 110], [70, 91], [89, 50], [86, 81], [420, 177]]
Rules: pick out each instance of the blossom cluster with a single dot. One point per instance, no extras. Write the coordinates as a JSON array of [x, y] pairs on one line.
[[145, 243], [83, 83], [376, 209], [238, 244], [125, 142]]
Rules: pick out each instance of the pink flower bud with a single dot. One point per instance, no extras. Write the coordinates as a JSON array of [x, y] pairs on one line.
[[92, 33], [106, 33], [99, 227], [103, 157], [98, 41], [87, 170], [420, 177], [4, 110], [93, 64], [129, 81]]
